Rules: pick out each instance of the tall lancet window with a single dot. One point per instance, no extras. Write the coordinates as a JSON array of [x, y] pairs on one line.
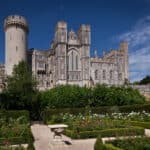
[[111, 74], [73, 61], [96, 74], [72, 58], [76, 62]]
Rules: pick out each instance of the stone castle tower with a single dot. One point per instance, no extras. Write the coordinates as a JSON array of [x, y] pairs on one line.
[[16, 30], [68, 60]]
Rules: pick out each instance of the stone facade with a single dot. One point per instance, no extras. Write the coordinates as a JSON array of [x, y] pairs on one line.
[[68, 60], [16, 29], [144, 89], [2, 77]]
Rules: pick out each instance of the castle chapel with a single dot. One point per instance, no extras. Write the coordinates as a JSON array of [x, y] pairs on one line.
[[67, 61]]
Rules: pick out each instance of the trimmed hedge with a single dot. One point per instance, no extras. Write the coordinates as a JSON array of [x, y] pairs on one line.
[[47, 114], [105, 133], [145, 125], [140, 143], [25, 137], [15, 113], [100, 146]]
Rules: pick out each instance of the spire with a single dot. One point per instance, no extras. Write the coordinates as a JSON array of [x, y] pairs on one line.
[[104, 53], [95, 53]]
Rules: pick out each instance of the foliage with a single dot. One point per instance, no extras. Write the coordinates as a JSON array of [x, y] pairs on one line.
[[20, 86], [100, 146], [145, 80], [66, 97], [145, 125], [15, 129], [21, 92], [125, 112], [134, 144], [75, 97], [15, 114], [110, 96], [105, 133]]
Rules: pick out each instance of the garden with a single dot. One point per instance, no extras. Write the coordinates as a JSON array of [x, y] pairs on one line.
[[138, 143], [85, 124], [15, 130], [102, 110]]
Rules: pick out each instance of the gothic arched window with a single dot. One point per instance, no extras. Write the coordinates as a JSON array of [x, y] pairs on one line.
[[120, 76], [111, 74], [73, 61], [96, 74], [104, 74], [76, 62]]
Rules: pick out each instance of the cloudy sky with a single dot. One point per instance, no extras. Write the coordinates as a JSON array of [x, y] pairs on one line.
[[111, 22]]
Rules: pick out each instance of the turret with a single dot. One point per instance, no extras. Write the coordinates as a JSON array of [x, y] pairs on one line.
[[84, 34], [16, 30], [61, 32], [124, 49]]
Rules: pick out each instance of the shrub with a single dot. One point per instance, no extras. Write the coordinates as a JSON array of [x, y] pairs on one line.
[[14, 114], [48, 113], [100, 146], [142, 143], [145, 125], [105, 133], [74, 96]]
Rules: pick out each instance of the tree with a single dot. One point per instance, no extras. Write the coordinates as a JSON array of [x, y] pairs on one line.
[[145, 80], [21, 86]]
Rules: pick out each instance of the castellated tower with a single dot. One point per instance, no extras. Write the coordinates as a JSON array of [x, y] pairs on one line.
[[124, 49], [16, 30], [61, 50], [84, 34]]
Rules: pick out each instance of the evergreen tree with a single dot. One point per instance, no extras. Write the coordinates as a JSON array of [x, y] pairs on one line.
[[21, 86], [145, 80]]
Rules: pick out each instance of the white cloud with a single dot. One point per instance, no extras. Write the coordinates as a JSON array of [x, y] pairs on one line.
[[139, 49]]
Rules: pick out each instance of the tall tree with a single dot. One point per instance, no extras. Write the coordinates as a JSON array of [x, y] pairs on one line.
[[145, 80], [21, 86]]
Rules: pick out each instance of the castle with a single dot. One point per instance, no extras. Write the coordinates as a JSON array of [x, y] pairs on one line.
[[67, 61]]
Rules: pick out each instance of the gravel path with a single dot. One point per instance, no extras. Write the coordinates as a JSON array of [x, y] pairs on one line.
[[41, 135], [43, 140]]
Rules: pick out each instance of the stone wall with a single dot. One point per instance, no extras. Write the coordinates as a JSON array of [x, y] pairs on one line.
[[144, 89]]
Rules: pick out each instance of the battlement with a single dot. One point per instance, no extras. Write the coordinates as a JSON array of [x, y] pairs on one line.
[[84, 27], [16, 20], [61, 24]]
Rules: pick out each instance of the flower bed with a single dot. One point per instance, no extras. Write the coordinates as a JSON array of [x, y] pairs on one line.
[[15, 130], [140, 143], [136, 143], [134, 131], [112, 111]]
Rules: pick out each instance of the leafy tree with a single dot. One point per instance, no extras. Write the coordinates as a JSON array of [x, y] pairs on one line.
[[101, 95], [145, 80], [21, 87]]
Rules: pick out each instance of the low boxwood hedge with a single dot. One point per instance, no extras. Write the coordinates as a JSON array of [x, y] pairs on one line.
[[139, 143], [24, 137], [105, 133], [145, 125], [100, 146], [48, 113], [15, 113]]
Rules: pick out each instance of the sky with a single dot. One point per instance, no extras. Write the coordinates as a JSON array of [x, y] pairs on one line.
[[112, 21]]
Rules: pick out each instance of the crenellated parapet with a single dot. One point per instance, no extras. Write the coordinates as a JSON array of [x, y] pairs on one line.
[[17, 21]]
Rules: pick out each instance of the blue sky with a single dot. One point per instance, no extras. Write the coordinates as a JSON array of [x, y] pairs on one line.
[[111, 22]]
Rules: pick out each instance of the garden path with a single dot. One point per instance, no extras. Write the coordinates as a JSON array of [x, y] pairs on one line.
[[43, 140]]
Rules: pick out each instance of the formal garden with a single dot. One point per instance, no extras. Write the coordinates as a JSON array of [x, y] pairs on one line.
[[96, 112], [15, 130]]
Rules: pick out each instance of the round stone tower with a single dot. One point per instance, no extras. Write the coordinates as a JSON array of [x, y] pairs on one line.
[[16, 30]]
